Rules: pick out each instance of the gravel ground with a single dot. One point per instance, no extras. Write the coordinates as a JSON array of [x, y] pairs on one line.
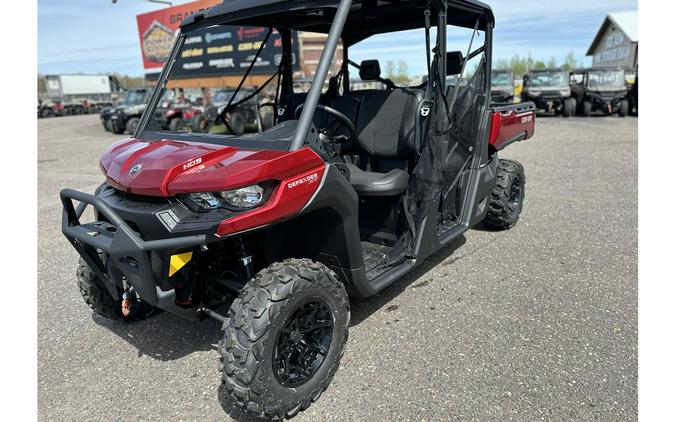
[[535, 323]]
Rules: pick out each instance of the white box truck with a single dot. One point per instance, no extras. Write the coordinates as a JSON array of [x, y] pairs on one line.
[[70, 87]]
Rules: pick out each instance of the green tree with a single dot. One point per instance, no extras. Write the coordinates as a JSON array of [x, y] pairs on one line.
[[390, 69], [552, 63], [401, 74], [570, 61], [539, 64]]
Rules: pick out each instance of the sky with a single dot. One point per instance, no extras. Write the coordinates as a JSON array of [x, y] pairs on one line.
[[97, 36]]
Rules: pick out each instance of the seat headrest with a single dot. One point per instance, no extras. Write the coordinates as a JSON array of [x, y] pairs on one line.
[[454, 62], [370, 70]]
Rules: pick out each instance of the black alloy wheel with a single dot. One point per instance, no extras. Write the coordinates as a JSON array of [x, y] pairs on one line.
[[303, 343]]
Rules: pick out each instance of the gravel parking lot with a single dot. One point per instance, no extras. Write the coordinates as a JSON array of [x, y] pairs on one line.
[[535, 323]]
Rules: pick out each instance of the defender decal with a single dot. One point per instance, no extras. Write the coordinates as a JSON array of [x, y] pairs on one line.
[[312, 178]]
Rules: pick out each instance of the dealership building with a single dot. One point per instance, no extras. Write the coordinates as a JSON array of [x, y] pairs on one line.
[[616, 43]]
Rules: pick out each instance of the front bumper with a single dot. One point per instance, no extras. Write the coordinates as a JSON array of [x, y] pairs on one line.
[[144, 263]]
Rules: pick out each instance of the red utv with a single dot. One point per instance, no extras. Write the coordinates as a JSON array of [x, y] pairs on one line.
[[347, 192]]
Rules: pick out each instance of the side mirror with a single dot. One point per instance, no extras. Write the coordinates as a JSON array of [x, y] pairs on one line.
[[454, 62]]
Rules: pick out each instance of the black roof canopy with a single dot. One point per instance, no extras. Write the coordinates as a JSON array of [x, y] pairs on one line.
[[366, 17]]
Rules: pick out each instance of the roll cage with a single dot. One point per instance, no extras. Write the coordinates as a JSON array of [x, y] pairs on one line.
[[348, 20]]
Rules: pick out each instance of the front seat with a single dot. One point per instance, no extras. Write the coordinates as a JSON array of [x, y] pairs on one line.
[[386, 136]]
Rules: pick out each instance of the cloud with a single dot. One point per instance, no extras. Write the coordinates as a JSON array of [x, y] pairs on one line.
[[89, 37]]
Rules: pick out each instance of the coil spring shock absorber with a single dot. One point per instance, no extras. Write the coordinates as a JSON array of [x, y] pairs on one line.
[[127, 303]]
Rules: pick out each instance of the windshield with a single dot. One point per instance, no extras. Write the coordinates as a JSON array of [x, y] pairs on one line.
[[501, 79], [606, 79], [210, 64], [134, 98], [545, 79]]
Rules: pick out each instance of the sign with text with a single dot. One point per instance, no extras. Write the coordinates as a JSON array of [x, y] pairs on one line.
[[212, 51]]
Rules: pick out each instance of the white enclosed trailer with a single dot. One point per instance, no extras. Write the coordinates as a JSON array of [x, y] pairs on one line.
[[80, 86]]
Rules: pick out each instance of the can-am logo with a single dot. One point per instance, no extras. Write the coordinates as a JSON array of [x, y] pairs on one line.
[[192, 163], [307, 179]]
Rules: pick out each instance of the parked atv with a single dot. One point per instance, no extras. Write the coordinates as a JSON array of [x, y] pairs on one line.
[[503, 86], [175, 116], [347, 193], [51, 108], [126, 116], [600, 89], [549, 90], [238, 117]]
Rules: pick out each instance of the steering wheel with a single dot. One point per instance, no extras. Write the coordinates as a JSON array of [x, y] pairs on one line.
[[340, 120]]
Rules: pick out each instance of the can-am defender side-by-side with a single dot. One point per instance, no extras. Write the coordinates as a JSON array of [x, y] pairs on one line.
[[549, 90], [503, 86], [600, 89], [349, 191], [126, 116]]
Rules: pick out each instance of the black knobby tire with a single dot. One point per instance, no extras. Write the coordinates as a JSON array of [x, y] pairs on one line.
[[47, 112], [117, 126], [506, 201], [96, 295], [263, 310], [569, 106], [237, 124], [623, 108], [587, 108], [132, 124], [107, 124], [177, 124]]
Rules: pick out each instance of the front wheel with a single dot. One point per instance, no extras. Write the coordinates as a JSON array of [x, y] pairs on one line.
[[132, 125], [508, 195], [588, 108], [623, 108], [118, 127], [284, 338], [98, 297], [569, 105]]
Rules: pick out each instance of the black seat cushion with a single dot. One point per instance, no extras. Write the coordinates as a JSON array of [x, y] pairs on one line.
[[369, 183], [386, 124]]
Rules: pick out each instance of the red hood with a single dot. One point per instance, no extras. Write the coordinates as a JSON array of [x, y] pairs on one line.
[[166, 167]]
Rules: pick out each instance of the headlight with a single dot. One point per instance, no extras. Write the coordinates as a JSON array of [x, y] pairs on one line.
[[248, 197], [242, 198], [206, 200]]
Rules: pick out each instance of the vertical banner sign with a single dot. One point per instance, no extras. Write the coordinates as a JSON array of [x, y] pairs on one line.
[[212, 51]]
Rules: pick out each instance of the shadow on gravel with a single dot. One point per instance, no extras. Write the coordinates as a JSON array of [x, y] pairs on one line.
[[166, 337], [361, 309]]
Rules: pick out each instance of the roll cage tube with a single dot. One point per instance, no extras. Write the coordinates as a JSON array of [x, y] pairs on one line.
[[320, 75], [158, 92]]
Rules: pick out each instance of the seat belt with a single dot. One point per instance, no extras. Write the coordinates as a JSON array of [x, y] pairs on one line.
[[424, 108]]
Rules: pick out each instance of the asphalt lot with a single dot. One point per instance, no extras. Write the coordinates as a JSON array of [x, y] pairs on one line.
[[535, 323]]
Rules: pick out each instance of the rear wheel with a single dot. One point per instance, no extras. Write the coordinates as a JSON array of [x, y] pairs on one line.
[[177, 125], [284, 338], [588, 108], [132, 125], [506, 201], [569, 105], [236, 123], [47, 112], [107, 124], [623, 108], [98, 297]]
